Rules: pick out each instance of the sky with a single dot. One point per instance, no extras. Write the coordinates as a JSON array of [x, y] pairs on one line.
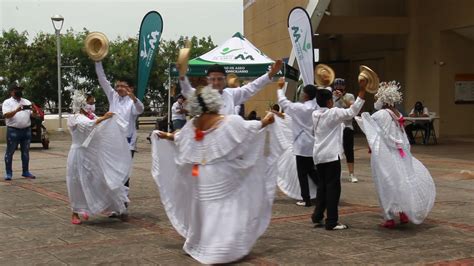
[[219, 19]]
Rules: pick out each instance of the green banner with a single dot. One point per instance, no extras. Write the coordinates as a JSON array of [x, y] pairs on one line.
[[148, 45], [199, 69]]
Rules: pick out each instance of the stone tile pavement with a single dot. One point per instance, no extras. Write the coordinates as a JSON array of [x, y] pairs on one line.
[[35, 219]]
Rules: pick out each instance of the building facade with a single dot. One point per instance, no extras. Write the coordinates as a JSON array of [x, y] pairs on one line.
[[426, 45]]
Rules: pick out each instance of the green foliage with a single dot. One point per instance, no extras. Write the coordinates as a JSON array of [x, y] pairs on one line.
[[34, 65]]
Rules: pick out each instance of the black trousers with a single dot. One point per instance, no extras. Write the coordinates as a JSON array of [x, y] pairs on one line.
[[348, 144], [127, 184], [329, 192], [305, 168], [413, 127]]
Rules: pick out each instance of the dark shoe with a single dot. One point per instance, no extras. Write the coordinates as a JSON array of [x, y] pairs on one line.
[[338, 227], [318, 224], [28, 175], [315, 218]]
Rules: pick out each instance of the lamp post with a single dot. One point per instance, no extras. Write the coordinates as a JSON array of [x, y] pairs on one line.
[[58, 21]]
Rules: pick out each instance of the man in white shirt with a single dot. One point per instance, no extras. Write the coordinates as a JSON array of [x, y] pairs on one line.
[[327, 151], [17, 113], [303, 140], [343, 99], [232, 97], [122, 102], [178, 113]]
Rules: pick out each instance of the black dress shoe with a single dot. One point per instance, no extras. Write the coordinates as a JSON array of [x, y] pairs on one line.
[[319, 224]]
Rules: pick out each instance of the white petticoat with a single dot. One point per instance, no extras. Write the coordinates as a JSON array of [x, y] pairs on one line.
[[222, 212], [98, 165], [403, 183]]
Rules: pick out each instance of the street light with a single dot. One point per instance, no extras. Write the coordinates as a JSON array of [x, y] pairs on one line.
[[58, 21]]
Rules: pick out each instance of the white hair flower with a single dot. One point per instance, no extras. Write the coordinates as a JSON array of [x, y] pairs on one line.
[[206, 98], [389, 93], [79, 101]]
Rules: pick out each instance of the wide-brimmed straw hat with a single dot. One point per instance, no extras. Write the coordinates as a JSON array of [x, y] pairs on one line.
[[371, 77], [232, 80], [96, 45], [324, 75], [183, 58]]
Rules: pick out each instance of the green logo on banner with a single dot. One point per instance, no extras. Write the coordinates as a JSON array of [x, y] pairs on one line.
[[296, 35]]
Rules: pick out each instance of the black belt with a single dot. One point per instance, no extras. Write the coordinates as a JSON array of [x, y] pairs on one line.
[[18, 128]]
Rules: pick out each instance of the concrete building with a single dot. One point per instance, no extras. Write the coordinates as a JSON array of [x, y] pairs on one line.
[[426, 45]]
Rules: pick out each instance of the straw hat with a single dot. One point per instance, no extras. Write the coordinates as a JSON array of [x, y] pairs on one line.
[[371, 77], [183, 58], [324, 75], [96, 45], [232, 80]]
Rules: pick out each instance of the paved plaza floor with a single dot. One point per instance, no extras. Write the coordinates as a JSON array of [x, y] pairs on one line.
[[35, 223]]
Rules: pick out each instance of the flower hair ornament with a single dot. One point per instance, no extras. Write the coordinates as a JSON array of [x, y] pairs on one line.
[[78, 101], [389, 93], [205, 100]]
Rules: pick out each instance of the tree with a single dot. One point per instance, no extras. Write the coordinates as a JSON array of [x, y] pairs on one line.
[[34, 65], [13, 55]]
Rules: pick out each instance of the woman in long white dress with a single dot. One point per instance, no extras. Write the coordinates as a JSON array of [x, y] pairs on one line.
[[217, 179], [405, 187], [96, 169]]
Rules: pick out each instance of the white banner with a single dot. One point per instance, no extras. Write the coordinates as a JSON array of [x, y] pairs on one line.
[[301, 35]]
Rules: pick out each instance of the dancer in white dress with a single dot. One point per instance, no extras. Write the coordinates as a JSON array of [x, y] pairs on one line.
[[96, 167], [217, 180], [405, 187]]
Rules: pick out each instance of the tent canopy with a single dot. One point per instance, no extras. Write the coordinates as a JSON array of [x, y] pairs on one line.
[[237, 55]]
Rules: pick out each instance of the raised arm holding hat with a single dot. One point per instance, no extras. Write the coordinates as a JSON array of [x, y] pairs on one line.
[[324, 76], [217, 179], [303, 140], [122, 102], [404, 186], [327, 151], [216, 77]]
